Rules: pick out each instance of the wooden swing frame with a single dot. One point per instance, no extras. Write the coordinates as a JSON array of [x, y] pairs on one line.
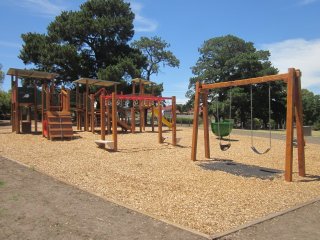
[[294, 113]]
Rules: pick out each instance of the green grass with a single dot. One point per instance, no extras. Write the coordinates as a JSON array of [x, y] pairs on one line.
[[2, 183]]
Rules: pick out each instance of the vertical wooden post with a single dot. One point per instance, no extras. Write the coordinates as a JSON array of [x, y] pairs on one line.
[[35, 109], [92, 112], [108, 117], [86, 119], [78, 107], [160, 139], [114, 122], [103, 116], [299, 124], [152, 117], [195, 123], [13, 99], [205, 123], [17, 115], [133, 88], [289, 125], [133, 120], [174, 117], [141, 114], [43, 91]]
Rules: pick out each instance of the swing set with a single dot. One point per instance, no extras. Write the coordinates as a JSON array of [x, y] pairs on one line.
[[294, 113]]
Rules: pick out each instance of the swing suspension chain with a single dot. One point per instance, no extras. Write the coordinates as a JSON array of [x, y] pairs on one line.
[[269, 108]]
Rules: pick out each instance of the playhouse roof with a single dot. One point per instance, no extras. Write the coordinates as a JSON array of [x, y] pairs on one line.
[[143, 81], [31, 74], [96, 82]]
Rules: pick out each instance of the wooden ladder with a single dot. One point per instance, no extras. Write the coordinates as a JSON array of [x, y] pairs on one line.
[[59, 124]]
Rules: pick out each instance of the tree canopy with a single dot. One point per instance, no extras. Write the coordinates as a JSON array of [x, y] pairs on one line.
[[1, 75], [230, 58], [87, 42], [156, 51]]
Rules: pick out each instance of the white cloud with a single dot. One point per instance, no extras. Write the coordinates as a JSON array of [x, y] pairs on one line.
[[307, 2], [47, 8], [141, 23], [9, 44], [300, 54]]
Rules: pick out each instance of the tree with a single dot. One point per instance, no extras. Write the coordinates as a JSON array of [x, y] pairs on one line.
[[311, 107], [86, 42], [1, 76], [155, 50], [230, 58]]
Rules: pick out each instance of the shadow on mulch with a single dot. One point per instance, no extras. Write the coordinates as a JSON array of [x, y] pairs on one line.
[[240, 169], [311, 178]]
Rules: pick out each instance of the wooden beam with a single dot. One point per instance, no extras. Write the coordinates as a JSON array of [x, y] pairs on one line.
[[92, 112], [289, 124], [160, 139], [35, 108], [103, 116], [114, 122], [17, 109], [195, 123], [247, 81], [86, 119], [108, 116], [299, 124], [174, 126], [205, 123], [133, 120]]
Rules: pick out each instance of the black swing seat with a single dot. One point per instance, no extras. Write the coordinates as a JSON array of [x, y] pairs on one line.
[[257, 152], [225, 147]]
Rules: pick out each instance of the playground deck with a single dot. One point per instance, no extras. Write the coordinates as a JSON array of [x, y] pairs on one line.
[[210, 196]]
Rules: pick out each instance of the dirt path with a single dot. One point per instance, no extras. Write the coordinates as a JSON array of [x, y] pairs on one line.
[[302, 223], [35, 206]]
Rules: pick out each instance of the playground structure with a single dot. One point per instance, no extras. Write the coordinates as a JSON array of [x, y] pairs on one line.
[[85, 109], [120, 110], [294, 112], [56, 119]]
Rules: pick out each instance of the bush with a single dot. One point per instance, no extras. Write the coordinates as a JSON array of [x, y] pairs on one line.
[[316, 126]]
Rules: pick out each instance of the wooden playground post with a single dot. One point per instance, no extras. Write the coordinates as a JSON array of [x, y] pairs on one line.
[[195, 123], [92, 111], [43, 91], [114, 122], [86, 119], [17, 115], [35, 108], [108, 117], [103, 116], [160, 139], [133, 119], [205, 123], [174, 126], [12, 116], [152, 117], [299, 125]]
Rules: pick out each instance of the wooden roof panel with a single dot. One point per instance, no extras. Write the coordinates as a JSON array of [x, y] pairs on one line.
[[96, 82], [31, 74]]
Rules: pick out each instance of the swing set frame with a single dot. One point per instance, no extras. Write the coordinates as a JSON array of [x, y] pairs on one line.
[[294, 114]]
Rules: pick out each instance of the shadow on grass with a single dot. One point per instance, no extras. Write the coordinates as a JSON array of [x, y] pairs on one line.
[[240, 169]]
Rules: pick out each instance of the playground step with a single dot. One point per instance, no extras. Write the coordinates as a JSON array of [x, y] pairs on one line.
[[59, 124]]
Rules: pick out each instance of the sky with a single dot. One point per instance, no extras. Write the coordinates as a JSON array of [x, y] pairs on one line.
[[289, 29]]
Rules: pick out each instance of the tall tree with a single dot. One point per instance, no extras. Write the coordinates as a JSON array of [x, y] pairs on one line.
[[84, 42], [1, 76], [230, 58], [156, 51], [311, 107]]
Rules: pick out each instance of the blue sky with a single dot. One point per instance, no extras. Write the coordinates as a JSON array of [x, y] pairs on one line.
[[289, 29]]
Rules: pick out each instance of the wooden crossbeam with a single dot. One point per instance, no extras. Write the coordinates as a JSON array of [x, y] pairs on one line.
[[248, 81]]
